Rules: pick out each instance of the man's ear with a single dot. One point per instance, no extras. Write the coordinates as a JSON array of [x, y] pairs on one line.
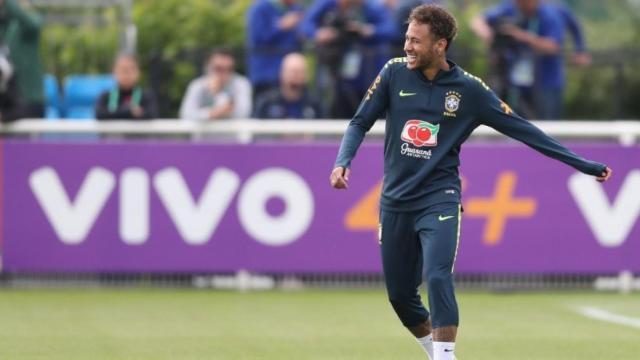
[[442, 46]]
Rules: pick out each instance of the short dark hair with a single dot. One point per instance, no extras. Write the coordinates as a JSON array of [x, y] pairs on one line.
[[441, 23], [221, 51]]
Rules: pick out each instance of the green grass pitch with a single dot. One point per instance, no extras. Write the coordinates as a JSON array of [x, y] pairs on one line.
[[312, 324]]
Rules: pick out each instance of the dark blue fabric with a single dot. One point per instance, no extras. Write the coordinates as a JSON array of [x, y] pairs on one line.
[[273, 105], [572, 24], [267, 44], [417, 245], [372, 13], [549, 70]]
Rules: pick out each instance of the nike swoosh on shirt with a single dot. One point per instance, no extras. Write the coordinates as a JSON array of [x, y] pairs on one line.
[[443, 218], [403, 94]]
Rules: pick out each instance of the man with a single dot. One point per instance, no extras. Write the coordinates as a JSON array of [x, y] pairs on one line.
[[526, 38], [348, 36], [291, 100], [220, 94], [128, 100], [431, 106], [20, 63], [272, 34]]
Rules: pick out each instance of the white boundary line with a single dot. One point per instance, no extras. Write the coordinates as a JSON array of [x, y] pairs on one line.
[[603, 315]]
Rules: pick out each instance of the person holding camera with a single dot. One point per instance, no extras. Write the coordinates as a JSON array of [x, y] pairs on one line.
[[349, 36], [526, 38], [21, 81]]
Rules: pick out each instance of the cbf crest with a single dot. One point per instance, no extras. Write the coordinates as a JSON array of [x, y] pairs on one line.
[[452, 103]]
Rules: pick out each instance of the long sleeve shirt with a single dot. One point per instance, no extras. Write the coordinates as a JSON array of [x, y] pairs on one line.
[[199, 101], [427, 122], [267, 43]]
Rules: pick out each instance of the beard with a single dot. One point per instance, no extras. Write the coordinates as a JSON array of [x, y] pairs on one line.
[[422, 61]]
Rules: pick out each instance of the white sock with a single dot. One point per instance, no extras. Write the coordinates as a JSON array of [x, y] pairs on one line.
[[443, 350], [427, 344]]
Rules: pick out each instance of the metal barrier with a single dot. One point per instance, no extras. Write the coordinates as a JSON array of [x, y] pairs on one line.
[[623, 131]]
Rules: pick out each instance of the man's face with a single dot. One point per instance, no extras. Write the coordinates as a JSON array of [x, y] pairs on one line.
[[420, 46], [222, 66], [528, 7], [126, 72], [294, 73]]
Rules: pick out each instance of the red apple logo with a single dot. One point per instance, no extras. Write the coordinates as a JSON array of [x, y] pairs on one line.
[[420, 133], [413, 131]]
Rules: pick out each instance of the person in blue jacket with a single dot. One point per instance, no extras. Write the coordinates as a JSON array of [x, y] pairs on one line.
[[272, 34], [348, 36], [526, 38]]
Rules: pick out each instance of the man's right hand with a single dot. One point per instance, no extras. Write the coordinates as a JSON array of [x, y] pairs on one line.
[[340, 178], [326, 35], [290, 20]]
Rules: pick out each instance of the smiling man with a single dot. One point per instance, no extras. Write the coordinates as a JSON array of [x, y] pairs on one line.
[[431, 106]]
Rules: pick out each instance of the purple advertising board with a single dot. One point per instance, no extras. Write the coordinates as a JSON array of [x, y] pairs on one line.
[[136, 206]]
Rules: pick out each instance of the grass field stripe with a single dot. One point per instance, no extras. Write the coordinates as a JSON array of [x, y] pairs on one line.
[[603, 315], [455, 255]]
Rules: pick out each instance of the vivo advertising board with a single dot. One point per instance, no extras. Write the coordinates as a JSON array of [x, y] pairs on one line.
[[183, 207]]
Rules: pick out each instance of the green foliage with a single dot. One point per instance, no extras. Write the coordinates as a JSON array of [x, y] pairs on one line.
[[85, 49]]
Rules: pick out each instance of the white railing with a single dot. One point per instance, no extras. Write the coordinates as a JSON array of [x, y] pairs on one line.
[[625, 132]]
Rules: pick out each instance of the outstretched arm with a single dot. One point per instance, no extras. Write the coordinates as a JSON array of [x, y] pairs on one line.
[[498, 115]]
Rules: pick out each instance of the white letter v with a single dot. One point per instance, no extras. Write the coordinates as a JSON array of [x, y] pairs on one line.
[[72, 221], [611, 224]]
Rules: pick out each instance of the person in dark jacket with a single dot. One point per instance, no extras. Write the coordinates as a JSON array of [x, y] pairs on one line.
[[128, 100], [291, 100]]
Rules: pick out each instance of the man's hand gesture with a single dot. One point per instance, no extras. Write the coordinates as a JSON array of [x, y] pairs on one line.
[[605, 175], [340, 178]]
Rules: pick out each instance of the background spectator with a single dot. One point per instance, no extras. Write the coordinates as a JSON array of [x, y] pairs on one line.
[[128, 100], [291, 99], [22, 94], [400, 10], [580, 56], [220, 94], [349, 37], [273, 33], [526, 38]]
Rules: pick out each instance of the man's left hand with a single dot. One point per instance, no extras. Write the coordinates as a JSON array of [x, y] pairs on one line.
[[605, 175]]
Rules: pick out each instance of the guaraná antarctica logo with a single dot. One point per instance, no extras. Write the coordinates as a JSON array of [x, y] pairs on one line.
[[419, 134]]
